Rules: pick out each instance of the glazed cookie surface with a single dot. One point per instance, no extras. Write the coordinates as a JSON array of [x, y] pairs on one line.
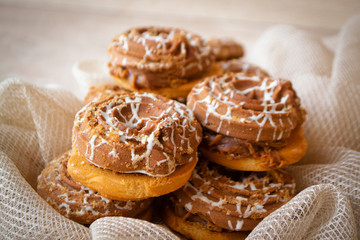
[[152, 57], [134, 146], [251, 122], [80, 203], [223, 201], [247, 106], [166, 61], [137, 133]]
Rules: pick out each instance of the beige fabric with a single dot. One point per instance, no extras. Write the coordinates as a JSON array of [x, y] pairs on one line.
[[128, 228], [35, 127], [325, 73]]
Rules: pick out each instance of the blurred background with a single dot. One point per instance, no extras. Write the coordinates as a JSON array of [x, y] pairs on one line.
[[40, 40]]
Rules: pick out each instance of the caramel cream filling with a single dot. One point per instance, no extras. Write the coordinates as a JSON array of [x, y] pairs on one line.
[[239, 147]]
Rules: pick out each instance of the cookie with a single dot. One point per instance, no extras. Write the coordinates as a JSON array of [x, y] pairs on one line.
[[80, 203], [165, 61], [251, 122], [226, 204], [141, 135]]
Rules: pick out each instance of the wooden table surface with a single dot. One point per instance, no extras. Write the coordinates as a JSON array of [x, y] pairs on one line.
[[41, 39]]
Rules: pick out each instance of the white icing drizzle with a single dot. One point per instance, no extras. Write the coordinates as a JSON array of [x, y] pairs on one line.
[[230, 225], [245, 203], [252, 186], [239, 225], [239, 186], [259, 208], [124, 61], [92, 146], [267, 196], [238, 208], [225, 93], [88, 208], [241, 198], [181, 117], [199, 195], [67, 208], [188, 206], [122, 42], [66, 198], [275, 185], [163, 40], [247, 212], [128, 206], [113, 153]]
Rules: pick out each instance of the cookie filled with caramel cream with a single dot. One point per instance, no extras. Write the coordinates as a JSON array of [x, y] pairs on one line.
[[219, 203], [251, 122], [80, 203], [226, 49], [166, 61], [240, 66], [134, 145]]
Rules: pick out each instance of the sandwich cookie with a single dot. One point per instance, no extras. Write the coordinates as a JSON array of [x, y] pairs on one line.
[[219, 203], [134, 145], [165, 61], [251, 122], [80, 203]]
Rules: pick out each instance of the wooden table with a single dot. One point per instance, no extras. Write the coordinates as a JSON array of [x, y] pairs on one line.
[[41, 39]]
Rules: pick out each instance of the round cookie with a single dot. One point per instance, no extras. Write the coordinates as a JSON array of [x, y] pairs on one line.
[[196, 230], [226, 48], [251, 123], [140, 136], [226, 204], [80, 203], [165, 61], [240, 66]]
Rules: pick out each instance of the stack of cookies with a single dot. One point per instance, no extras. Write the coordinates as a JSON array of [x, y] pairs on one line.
[[219, 158], [251, 127], [127, 148]]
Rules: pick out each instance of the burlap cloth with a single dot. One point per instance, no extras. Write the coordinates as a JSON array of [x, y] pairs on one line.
[[35, 127]]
